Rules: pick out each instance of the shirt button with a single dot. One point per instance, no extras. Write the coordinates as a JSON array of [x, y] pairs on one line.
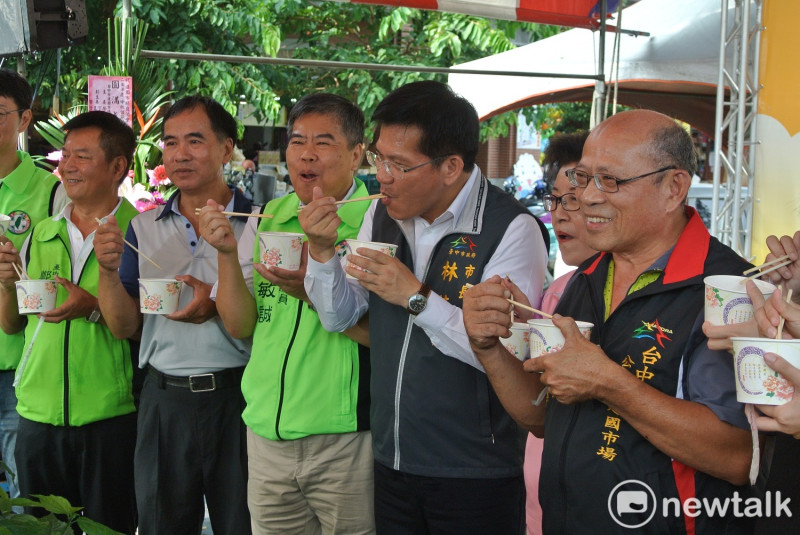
[[193, 243], [188, 225]]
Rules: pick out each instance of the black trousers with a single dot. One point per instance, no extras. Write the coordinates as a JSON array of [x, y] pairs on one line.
[[90, 465], [191, 444], [407, 504]]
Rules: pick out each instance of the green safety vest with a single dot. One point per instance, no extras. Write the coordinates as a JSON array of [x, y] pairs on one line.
[[77, 372], [301, 379], [26, 194]]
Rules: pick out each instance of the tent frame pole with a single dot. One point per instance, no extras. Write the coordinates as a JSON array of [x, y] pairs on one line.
[[599, 98], [733, 170]]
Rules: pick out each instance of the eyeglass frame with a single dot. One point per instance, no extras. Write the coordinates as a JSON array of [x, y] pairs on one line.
[[559, 200], [572, 180], [4, 114], [376, 158]]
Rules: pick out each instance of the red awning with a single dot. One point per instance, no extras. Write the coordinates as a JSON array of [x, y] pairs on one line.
[[575, 13]]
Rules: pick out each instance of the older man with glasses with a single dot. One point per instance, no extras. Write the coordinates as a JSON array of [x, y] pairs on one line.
[[642, 422]]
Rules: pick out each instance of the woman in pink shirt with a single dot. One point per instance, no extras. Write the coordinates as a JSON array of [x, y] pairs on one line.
[[562, 153]]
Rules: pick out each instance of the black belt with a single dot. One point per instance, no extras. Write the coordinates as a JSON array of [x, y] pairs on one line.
[[201, 382]]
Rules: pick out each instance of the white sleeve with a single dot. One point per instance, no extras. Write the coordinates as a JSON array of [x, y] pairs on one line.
[[521, 255], [340, 302]]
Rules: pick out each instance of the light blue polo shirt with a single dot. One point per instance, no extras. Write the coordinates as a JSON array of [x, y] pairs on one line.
[[175, 347]]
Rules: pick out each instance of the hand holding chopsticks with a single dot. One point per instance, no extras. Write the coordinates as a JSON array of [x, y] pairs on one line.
[[521, 305], [129, 244]]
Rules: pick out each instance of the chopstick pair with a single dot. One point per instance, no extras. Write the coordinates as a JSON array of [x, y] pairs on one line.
[[241, 214], [101, 222], [521, 305], [775, 264], [782, 320], [357, 199], [20, 272]]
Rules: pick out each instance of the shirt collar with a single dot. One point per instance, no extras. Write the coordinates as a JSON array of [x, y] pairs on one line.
[[66, 212], [238, 203]]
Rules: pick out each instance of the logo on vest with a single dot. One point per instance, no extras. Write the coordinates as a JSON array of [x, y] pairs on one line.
[[20, 222], [463, 246], [654, 331]]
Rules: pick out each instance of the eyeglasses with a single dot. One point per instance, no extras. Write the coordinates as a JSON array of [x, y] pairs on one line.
[[607, 183], [568, 201], [5, 114], [395, 170]]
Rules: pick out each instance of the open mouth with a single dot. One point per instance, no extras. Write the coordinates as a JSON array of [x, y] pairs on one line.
[[562, 236]]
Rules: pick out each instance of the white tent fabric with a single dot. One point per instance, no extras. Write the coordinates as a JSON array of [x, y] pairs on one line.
[[674, 70]]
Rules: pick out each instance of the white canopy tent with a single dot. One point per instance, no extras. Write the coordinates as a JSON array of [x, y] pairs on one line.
[[674, 70]]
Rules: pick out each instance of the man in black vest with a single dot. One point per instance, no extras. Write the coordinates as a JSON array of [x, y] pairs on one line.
[[642, 423], [448, 457]]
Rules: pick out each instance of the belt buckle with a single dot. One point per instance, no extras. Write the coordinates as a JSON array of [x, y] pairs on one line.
[[199, 388]]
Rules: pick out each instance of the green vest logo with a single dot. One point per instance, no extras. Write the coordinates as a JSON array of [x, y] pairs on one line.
[[20, 222]]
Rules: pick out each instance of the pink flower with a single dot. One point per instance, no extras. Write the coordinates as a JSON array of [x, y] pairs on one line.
[[158, 177], [152, 302], [271, 257], [144, 205], [785, 390]]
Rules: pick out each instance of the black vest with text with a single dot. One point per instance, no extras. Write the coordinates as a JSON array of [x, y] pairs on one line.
[[432, 414]]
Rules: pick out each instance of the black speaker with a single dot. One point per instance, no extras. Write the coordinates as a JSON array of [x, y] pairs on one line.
[[57, 23]]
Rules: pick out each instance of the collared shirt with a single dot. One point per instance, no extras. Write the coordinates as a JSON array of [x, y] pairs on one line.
[[521, 255], [80, 248], [706, 383], [175, 347]]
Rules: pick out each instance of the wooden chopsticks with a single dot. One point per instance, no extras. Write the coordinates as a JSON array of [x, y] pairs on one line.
[[521, 305], [101, 222], [241, 214], [357, 199]]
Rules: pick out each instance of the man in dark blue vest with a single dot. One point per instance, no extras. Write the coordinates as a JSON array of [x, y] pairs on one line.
[[642, 428], [448, 457]]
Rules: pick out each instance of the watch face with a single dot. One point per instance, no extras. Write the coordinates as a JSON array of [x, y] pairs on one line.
[[416, 303]]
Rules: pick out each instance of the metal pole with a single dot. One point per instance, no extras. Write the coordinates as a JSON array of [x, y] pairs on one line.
[[719, 129], [736, 238], [598, 106], [261, 60], [23, 136], [753, 134]]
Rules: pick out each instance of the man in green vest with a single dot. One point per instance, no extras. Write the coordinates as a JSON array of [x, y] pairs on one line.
[[28, 194], [77, 426], [307, 390]]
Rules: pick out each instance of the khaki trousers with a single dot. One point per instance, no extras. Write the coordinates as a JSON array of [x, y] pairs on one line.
[[313, 485]]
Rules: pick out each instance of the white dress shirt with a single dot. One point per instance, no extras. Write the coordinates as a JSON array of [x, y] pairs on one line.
[[521, 255]]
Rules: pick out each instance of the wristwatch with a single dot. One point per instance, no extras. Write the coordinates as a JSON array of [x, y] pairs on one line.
[[94, 317], [418, 301]]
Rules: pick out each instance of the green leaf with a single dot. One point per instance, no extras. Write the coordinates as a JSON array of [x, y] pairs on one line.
[[57, 504], [24, 502], [90, 527], [24, 525]]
